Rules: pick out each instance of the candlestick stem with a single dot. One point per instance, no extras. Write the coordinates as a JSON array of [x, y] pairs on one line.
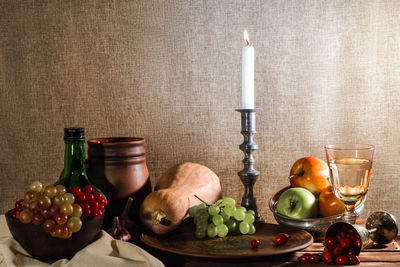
[[248, 175]]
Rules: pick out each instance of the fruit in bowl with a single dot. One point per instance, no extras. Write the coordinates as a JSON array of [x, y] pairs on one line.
[[309, 183], [49, 215], [297, 203], [310, 173]]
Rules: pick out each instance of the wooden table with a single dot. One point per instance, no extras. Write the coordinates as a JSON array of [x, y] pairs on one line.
[[375, 256]]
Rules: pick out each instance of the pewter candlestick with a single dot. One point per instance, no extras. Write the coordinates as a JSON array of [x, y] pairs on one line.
[[248, 175]]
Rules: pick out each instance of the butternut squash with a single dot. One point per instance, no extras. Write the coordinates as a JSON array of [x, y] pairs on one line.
[[164, 209]]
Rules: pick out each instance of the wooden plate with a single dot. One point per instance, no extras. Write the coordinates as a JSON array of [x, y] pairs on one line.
[[183, 242]]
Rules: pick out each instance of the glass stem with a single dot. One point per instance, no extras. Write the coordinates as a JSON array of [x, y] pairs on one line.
[[350, 214]]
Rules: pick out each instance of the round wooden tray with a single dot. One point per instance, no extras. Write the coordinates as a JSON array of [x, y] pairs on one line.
[[183, 242]]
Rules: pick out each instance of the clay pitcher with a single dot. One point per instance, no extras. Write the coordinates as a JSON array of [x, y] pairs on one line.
[[117, 166]]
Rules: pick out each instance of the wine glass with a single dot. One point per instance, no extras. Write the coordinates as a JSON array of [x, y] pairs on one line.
[[350, 170]]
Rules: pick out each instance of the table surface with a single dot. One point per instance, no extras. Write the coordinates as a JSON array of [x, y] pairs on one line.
[[388, 256]]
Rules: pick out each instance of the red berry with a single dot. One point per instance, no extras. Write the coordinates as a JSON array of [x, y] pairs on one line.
[[96, 213], [353, 236], [281, 239], [342, 260], [98, 196], [303, 259], [330, 242], [85, 206], [345, 242], [75, 190], [89, 197], [94, 204], [354, 260], [255, 243], [100, 207], [81, 196], [339, 251], [327, 256], [86, 213], [315, 258], [88, 189], [357, 243]]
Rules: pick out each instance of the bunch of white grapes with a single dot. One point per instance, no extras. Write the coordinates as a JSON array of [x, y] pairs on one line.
[[222, 218]]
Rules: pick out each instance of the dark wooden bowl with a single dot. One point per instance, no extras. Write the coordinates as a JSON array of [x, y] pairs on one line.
[[44, 247]]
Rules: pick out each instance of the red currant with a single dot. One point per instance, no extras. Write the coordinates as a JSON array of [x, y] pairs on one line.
[[100, 207], [255, 243]]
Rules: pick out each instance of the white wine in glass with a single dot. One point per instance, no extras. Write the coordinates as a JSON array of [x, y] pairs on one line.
[[350, 170]]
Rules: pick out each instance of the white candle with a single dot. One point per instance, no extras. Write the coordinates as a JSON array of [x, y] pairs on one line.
[[247, 74]]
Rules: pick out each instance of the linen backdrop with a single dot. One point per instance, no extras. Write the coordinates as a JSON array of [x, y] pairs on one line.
[[170, 71]]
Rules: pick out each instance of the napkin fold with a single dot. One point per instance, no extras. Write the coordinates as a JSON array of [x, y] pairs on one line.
[[105, 251]]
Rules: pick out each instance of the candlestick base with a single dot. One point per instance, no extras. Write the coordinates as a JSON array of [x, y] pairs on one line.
[[248, 175]]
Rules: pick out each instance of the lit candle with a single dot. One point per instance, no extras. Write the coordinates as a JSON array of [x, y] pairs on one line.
[[247, 74]]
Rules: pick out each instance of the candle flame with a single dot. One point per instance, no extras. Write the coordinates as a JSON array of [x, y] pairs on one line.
[[246, 37]]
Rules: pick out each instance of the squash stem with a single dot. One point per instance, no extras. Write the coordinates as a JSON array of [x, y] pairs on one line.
[[158, 217], [196, 196]]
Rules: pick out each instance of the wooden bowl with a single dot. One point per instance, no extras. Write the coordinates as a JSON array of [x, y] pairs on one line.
[[44, 247]]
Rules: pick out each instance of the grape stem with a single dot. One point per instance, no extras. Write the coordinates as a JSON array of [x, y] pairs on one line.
[[196, 196]]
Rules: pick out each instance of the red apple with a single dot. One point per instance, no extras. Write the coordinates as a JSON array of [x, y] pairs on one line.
[[310, 173]]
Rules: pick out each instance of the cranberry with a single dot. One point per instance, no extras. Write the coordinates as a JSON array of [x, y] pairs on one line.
[[342, 260], [330, 242], [354, 259], [357, 243], [315, 258], [327, 256], [303, 259], [339, 251], [88, 189], [281, 239], [255, 243], [353, 236], [346, 242]]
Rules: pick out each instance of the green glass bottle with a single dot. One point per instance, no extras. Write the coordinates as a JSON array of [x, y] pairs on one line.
[[74, 173]]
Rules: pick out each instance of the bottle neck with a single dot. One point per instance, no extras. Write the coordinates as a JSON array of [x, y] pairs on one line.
[[74, 158]]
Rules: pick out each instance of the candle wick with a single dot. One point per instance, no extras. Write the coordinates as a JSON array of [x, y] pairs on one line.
[[247, 41]]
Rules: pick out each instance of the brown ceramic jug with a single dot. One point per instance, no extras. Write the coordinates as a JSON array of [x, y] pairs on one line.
[[117, 166]]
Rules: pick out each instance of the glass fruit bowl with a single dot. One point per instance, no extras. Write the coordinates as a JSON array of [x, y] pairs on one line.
[[316, 226]]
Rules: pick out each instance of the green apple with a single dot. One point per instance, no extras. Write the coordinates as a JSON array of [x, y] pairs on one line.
[[297, 203]]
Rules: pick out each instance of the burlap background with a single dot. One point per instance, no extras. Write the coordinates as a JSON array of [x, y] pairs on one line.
[[169, 71]]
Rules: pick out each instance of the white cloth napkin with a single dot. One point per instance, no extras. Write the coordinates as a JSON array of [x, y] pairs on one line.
[[105, 251]]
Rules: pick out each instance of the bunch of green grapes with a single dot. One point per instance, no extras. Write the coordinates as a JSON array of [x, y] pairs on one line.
[[222, 218]]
